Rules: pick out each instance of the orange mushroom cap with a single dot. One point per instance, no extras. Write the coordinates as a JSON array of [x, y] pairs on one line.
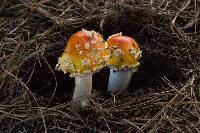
[[85, 53], [124, 52]]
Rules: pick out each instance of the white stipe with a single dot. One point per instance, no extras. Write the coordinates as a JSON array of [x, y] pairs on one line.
[[82, 89], [119, 80]]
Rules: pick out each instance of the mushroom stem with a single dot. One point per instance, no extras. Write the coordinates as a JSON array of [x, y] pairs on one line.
[[83, 89], [119, 80]]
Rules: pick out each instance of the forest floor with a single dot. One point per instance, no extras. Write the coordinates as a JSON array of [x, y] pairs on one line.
[[164, 94]]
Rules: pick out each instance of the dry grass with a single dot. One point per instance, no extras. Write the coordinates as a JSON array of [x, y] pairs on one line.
[[164, 93]]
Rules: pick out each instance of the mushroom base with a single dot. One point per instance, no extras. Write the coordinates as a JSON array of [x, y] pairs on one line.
[[82, 89], [119, 80]]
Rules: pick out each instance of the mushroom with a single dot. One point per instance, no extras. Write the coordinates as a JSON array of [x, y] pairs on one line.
[[84, 54], [123, 61]]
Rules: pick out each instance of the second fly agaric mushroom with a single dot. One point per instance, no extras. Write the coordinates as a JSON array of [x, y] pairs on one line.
[[85, 54], [123, 61]]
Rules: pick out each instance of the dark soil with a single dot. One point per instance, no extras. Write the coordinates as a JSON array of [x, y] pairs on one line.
[[163, 95]]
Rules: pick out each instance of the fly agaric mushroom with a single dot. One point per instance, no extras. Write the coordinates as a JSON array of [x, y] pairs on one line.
[[123, 61], [84, 54]]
